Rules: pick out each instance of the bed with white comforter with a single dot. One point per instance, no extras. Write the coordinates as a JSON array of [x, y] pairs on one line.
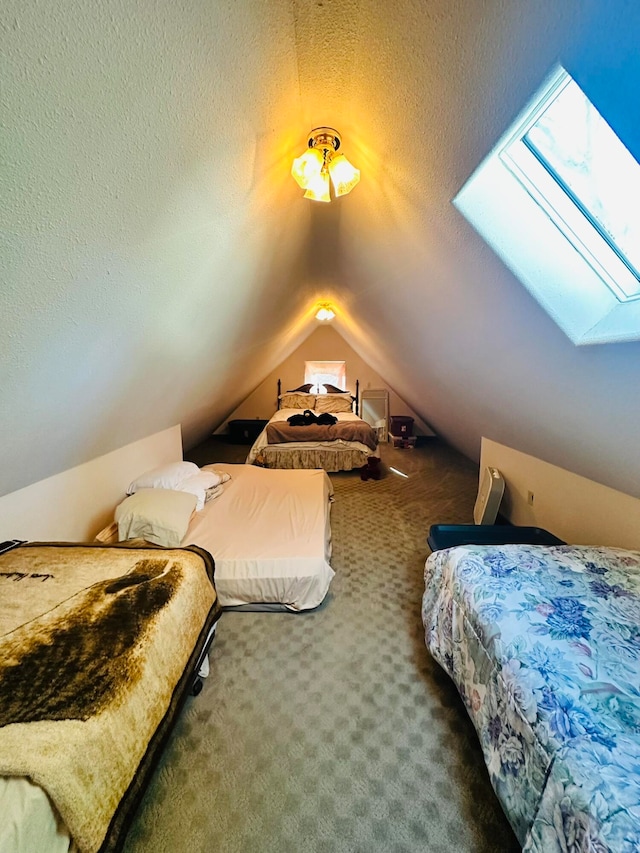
[[269, 532]]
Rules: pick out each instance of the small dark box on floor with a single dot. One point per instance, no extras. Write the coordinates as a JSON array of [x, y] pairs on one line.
[[451, 535], [401, 425], [245, 430]]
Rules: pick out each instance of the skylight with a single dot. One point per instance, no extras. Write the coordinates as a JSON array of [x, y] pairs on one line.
[[556, 200]]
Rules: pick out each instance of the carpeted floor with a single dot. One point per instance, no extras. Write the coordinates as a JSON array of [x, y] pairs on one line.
[[334, 731]]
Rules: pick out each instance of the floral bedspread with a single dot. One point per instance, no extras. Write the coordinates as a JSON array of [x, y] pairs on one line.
[[543, 644]]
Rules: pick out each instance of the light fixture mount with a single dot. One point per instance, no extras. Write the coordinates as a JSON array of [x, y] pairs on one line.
[[325, 137]]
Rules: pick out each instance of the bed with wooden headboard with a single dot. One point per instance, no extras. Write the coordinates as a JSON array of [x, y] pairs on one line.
[[333, 437]]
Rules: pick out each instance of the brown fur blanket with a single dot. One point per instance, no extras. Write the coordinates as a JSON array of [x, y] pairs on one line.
[[280, 432], [94, 641]]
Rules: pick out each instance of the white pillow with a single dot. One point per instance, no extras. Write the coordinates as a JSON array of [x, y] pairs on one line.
[[333, 403], [160, 516], [164, 477], [200, 484]]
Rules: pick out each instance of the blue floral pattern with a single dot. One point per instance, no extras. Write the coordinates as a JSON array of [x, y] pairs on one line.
[[543, 644]]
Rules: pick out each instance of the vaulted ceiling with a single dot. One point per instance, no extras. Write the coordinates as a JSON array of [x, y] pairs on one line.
[[158, 260]]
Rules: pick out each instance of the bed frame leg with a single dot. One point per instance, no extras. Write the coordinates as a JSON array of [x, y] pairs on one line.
[[197, 683]]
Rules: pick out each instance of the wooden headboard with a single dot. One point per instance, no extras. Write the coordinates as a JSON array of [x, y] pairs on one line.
[[354, 397]]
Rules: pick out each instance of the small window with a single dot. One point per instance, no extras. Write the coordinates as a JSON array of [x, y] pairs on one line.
[[321, 372]]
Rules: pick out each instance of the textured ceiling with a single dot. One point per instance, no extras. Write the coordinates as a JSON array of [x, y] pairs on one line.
[[158, 260]]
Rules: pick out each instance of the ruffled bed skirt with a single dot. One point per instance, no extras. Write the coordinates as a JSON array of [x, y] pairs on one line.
[[331, 459]]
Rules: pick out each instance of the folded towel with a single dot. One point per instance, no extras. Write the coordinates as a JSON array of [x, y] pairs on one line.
[[213, 492]]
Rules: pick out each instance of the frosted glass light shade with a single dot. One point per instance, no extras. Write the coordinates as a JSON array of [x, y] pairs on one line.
[[307, 167], [320, 167], [318, 187], [344, 176], [325, 314]]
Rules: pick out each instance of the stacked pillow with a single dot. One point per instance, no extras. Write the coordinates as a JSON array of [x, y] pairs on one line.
[[334, 403], [162, 501], [334, 400], [182, 477], [160, 516], [164, 477], [297, 400]]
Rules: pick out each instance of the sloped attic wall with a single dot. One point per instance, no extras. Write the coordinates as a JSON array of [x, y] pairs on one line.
[[324, 344], [451, 321], [159, 261], [145, 279]]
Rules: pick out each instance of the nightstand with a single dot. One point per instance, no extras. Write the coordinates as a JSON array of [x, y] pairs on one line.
[[245, 430]]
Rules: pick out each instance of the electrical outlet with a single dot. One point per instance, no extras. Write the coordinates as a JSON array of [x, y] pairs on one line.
[[530, 498]]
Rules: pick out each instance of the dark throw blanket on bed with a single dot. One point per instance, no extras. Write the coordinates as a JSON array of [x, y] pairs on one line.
[[308, 418], [280, 432]]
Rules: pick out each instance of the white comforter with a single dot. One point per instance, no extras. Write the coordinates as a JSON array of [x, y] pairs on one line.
[[270, 536]]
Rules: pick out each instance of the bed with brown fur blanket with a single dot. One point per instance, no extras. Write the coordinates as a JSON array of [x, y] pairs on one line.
[[97, 647]]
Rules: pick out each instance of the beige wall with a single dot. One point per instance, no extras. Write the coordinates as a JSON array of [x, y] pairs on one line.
[[325, 344], [574, 508], [75, 504]]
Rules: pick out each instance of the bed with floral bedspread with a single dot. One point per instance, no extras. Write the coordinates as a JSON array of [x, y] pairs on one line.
[[543, 644]]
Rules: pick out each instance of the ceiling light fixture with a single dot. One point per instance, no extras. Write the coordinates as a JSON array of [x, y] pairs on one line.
[[325, 312], [321, 162]]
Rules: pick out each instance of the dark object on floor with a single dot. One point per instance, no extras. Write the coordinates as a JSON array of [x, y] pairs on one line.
[[403, 443], [245, 430], [401, 425], [371, 471], [450, 535]]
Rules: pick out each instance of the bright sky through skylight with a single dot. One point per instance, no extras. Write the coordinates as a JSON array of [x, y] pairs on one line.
[[586, 157], [557, 200]]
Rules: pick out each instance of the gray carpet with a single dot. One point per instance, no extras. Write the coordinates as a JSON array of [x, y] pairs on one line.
[[334, 730]]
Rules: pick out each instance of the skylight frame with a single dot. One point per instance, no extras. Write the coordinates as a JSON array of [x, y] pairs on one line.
[[547, 188], [566, 282]]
